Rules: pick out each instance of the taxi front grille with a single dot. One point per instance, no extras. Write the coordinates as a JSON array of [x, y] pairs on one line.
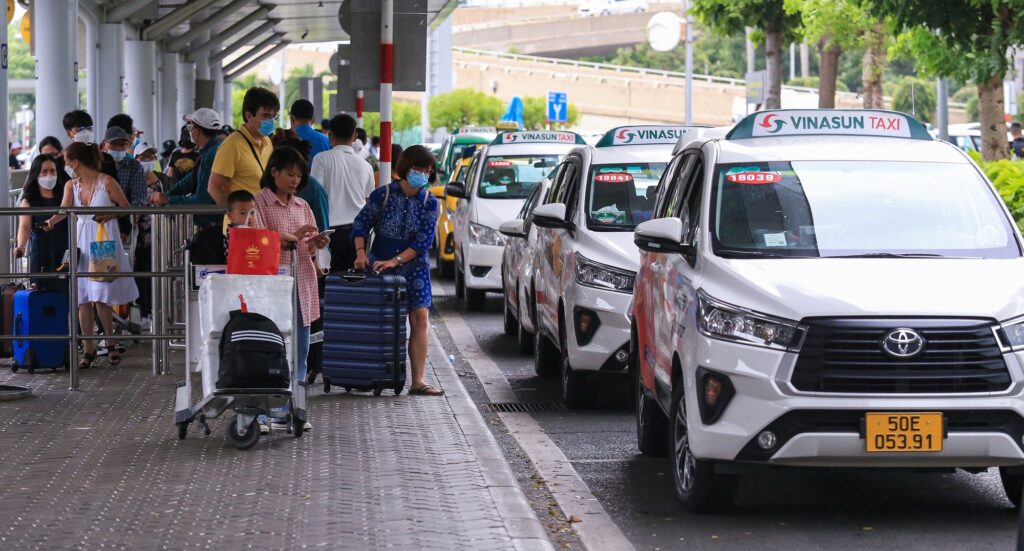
[[846, 356]]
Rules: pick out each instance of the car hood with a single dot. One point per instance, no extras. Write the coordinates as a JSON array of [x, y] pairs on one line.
[[615, 249], [492, 212], [799, 288]]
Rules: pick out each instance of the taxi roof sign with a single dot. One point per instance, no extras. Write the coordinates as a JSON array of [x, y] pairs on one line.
[[477, 130], [645, 135], [538, 136], [829, 122]]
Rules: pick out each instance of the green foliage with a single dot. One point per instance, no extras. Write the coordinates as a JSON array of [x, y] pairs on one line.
[[973, 110], [842, 22], [964, 94], [1008, 178], [813, 82], [729, 17], [916, 97], [464, 106], [535, 113], [404, 116]]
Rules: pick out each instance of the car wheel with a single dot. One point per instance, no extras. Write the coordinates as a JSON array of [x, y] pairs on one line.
[[574, 391], [698, 487], [460, 284], [545, 356], [476, 299], [445, 268], [1013, 485], [511, 323], [651, 423], [524, 337]]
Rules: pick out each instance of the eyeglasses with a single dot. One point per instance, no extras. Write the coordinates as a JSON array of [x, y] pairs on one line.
[[424, 171]]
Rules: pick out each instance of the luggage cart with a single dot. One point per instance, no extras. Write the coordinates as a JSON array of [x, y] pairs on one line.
[[242, 430]]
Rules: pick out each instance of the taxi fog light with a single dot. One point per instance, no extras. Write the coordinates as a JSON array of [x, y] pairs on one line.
[[621, 356], [712, 389], [766, 440], [722, 321], [714, 392], [587, 323]]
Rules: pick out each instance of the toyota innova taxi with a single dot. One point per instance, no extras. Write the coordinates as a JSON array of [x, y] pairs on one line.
[[500, 179], [828, 288], [586, 260]]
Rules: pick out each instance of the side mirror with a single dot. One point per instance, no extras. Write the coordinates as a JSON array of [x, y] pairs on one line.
[[513, 228], [552, 216], [662, 235], [455, 189]]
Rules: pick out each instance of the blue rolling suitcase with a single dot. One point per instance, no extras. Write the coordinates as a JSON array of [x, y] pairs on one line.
[[40, 313], [364, 332]]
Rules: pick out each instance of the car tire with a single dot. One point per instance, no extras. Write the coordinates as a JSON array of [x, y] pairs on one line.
[[445, 268], [524, 337], [1013, 485], [574, 387], [511, 325], [651, 423], [545, 356], [476, 299], [698, 488], [460, 284]]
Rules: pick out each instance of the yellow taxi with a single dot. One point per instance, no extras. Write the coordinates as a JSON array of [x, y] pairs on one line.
[[446, 219]]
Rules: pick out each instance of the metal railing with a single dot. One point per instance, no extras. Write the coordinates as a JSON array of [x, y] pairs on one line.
[[170, 228]]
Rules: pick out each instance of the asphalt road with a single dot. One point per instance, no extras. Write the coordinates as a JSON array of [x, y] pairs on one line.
[[781, 509]]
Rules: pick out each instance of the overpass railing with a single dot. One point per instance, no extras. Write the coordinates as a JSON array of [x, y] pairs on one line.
[[171, 227]]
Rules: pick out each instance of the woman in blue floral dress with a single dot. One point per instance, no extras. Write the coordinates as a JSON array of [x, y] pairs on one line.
[[403, 217]]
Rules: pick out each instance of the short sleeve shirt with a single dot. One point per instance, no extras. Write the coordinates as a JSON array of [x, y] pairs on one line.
[[236, 162]]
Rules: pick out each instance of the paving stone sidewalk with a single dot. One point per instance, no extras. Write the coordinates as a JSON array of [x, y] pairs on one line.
[[103, 468]]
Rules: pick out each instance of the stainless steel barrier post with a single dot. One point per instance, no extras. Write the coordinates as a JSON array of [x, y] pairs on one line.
[[165, 303], [154, 291], [73, 298]]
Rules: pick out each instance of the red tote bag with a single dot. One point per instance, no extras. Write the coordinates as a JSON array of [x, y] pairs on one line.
[[253, 252]]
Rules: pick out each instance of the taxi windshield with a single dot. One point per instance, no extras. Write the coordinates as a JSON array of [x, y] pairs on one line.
[[514, 176], [621, 195], [857, 209]]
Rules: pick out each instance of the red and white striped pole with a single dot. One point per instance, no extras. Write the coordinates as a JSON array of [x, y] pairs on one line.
[[387, 72], [359, 108]]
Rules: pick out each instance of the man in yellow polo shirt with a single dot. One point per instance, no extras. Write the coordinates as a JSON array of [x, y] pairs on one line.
[[243, 155]]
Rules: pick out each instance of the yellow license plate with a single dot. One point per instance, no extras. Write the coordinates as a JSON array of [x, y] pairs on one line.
[[903, 432]]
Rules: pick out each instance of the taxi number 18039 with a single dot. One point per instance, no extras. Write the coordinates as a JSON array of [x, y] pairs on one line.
[[903, 432]]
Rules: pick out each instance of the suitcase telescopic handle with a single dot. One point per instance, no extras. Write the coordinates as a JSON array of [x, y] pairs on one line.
[[356, 276]]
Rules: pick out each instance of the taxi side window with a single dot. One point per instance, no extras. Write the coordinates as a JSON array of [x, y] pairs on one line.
[[669, 205], [471, 177], [572, 188], [689, 209], [556, 184], [528, 207], [562, 182]]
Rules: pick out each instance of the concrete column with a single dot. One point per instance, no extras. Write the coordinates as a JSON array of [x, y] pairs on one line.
[[186, 88], [203, 63], [72, 7], [92, 30], [229, 104], [140, 77], [217, 75], [56, 91], [109, 72], [168, 98]]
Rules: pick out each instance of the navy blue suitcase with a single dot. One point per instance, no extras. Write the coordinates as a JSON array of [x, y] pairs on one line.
[[364, 332], [40, 313]]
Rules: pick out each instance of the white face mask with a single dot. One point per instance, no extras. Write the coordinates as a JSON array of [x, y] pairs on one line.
[[70, 172], [48, 182], [147, 166], [84, 136]]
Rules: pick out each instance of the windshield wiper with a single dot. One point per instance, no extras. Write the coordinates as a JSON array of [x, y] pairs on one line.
[[892, 255], [753, 253]]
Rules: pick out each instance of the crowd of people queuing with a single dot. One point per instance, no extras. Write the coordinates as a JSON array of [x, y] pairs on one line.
[[298, 181]]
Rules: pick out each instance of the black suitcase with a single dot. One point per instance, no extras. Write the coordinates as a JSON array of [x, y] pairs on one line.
[[7, 291], [364, 332]]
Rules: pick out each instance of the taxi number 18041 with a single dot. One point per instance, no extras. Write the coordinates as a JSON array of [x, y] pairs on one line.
[[903, 432]]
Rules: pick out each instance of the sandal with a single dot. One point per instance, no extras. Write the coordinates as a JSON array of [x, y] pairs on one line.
[[426, 390], [114, 357], [86, 361]]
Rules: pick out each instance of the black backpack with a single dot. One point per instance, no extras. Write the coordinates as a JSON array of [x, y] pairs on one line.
[[252, 353]]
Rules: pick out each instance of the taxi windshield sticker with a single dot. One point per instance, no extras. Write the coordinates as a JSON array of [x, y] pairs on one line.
[[754, 177], [499, 164], [613, 178]]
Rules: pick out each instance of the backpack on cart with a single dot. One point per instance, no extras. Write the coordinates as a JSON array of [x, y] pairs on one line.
[[252, 353]]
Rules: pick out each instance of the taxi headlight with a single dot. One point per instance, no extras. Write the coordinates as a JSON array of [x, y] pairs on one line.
[[723, 321], [1011, 334], [482, 235], [600, 276]]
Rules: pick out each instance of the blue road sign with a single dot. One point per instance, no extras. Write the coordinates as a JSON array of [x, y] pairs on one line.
[[558, 107]]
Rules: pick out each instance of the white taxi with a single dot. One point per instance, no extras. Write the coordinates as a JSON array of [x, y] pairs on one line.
[[500, 179], [586, 259], [517, 268], [828, 288]]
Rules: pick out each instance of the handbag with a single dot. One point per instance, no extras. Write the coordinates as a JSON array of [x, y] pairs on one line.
[[253, 251], [103, 256]]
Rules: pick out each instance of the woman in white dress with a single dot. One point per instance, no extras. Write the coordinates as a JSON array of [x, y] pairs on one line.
[[89, 187]]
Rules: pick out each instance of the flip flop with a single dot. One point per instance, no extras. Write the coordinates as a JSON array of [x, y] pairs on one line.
[[113, 357], [426, 390], [86, 361]]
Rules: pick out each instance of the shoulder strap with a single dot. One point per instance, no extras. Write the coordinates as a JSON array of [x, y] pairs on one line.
[[387, 195], [253, 149]]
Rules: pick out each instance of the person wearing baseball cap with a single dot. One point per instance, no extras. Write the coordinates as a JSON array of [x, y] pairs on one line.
[[194, 189], [117, 144], [302, 116]]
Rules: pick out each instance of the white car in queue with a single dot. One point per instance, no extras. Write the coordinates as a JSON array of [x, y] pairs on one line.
[[828, 288], [586, 260], [500, 179], [517, 268]]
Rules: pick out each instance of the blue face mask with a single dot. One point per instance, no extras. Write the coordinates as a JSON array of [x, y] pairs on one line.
[[417, 180], [267, 127], [118, 156]]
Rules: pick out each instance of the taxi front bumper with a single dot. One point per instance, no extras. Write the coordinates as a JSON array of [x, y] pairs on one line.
[[826, 430], [596, 350], [483, 267]]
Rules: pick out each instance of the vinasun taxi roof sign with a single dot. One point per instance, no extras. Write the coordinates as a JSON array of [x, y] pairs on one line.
[[829, 122], [539, 136], [645, 135]]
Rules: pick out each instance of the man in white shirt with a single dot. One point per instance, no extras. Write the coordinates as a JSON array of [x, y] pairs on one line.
[[348, 180]]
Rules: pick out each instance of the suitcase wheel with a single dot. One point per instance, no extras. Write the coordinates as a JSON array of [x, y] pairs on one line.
[[348, 389], [182, 430], [327, 386], [378, 390], [14, 368], [398, 390]]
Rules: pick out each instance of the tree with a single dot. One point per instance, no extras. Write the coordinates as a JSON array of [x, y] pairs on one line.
[[836, 26], [915, 97], [968, 41], [464, 106], [770, 17], [404, 116], [873, 67], [535, 113]]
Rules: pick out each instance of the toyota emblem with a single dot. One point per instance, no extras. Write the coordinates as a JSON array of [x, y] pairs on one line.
[[903, 343]]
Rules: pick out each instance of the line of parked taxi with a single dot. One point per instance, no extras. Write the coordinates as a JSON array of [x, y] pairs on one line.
[[825, 288]]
